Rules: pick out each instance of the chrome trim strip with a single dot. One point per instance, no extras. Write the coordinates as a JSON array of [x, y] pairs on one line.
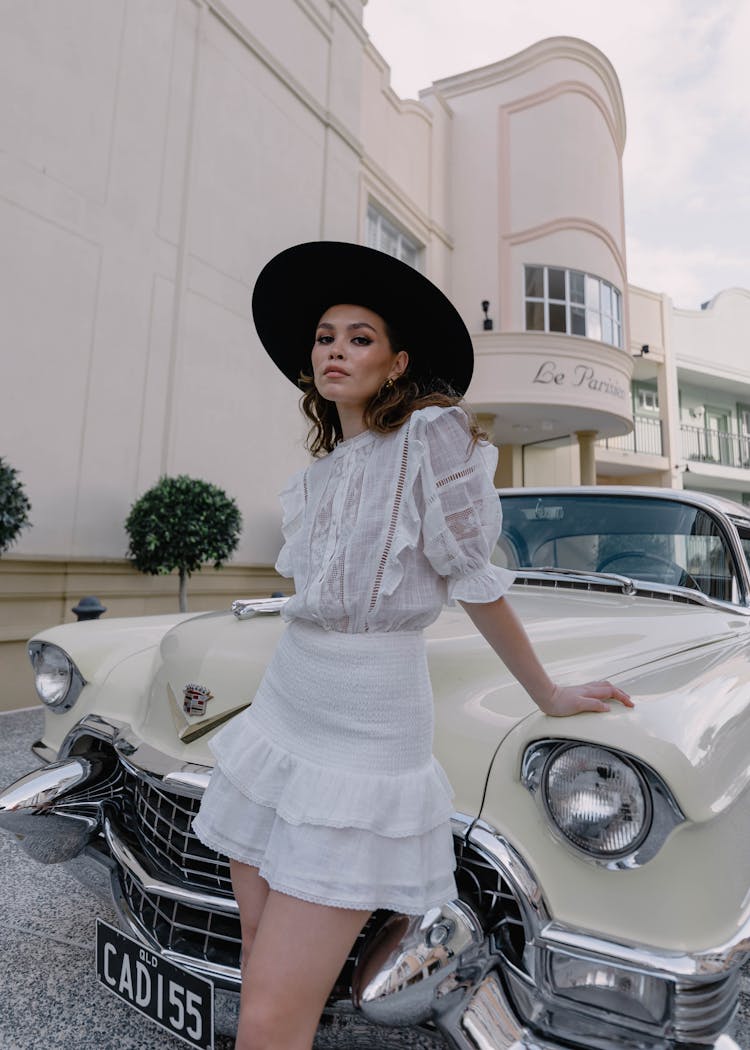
[[244, 608], [106, 730], [146, 763], [461, 825], [695, 966], [128, 860], [626, 584], [515, 869], [619, 584], [210, 970], [192, 781], [44, 751], [489, 1022]]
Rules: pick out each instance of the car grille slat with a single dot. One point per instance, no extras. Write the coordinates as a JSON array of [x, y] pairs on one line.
[[487, 890], [162, 826], [202, 935]]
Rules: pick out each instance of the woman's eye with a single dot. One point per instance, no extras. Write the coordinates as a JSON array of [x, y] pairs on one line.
[[361, 340], [324, 339]]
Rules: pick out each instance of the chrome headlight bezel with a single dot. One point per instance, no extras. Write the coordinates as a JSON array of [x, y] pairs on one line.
[[46, 657], [663, 813]]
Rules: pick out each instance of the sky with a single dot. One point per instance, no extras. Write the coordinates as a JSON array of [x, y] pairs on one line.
[[684, 70]]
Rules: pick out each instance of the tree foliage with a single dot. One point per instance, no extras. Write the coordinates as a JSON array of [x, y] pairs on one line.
[[14, 506], [182, 523]]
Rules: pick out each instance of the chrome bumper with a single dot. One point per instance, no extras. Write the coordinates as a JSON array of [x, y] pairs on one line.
[[65, 810]]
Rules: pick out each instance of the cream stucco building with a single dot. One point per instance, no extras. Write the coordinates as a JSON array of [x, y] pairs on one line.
[[156, 155], [691, 397]]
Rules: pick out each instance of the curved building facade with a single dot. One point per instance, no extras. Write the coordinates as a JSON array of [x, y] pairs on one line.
[[538, 222]]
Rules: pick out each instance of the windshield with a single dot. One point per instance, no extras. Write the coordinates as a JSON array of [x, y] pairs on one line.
[[654, 540]]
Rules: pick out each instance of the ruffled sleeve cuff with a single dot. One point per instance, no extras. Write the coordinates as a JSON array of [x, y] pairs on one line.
[[293, 501], [486, 585], [284, 565]]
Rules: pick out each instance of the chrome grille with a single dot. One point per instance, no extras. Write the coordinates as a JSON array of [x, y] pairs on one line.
[[198, 933], [163, 828], [481, 884]]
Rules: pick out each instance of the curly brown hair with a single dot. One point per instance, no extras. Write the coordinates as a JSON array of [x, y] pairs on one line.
[[387, 410]]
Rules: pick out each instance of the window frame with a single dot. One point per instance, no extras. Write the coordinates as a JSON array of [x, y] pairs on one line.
[[600, 307], [379, 219], [640, 408]]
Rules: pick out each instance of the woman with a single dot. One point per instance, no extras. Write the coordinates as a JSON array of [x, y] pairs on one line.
[[325, 794]]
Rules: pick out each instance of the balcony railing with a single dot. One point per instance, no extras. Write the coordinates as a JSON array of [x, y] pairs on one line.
[[646, 437], [715, 446]]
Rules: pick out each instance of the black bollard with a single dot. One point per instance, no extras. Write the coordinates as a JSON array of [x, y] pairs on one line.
[[89, 608]]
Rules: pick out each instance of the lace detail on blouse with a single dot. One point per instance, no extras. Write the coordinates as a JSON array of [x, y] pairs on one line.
[[387, 528], [454, 477], [393, 523]]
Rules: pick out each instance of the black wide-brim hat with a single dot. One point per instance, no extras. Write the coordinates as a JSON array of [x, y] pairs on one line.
[[296, 287]]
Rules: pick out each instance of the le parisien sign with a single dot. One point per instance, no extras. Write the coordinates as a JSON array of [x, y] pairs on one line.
[[581, 376]]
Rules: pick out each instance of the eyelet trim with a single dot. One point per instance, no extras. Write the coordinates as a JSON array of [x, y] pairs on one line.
[[393, 522], [454, 477]]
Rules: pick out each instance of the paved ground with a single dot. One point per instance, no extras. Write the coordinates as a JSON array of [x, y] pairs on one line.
[[50, 995]]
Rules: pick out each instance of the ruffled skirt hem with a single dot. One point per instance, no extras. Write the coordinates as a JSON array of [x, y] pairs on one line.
[[304, 792], [337, 867]]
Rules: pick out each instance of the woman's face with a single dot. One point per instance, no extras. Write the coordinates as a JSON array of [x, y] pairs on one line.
[[352, 356]]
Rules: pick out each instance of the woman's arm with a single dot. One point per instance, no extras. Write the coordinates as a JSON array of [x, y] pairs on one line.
[[504, 631]]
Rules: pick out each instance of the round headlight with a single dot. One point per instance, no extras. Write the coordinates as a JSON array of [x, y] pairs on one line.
[[56, 678], [598, 800]]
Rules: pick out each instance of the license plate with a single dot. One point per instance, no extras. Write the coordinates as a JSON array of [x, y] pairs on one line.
[[177, 1000]]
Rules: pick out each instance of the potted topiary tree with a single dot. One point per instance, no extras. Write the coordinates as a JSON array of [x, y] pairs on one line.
[[182, 523], [14, 506]]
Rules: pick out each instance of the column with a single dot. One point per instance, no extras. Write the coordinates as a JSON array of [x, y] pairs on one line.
[[587, 455]]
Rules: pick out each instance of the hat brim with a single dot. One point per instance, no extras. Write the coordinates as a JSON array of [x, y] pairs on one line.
[[297, 286]]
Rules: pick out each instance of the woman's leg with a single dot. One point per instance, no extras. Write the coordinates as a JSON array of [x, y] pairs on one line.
[[250, 892], [298, 950]]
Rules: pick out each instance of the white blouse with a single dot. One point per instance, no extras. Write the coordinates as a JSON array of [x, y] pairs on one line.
[[387, 528]]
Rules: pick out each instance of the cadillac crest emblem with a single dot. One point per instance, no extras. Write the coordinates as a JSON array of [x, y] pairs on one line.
[[195, 699]]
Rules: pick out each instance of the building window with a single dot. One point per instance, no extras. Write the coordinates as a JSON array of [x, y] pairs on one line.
[[573, 302], [645, 399], [384, 235]]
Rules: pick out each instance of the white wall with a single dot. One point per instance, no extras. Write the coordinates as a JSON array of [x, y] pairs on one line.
[[155, 156], [715, 340]]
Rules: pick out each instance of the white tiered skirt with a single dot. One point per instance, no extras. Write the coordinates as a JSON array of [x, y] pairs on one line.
[[328, 785]]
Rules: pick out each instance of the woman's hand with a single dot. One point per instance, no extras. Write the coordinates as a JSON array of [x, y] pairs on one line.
[[573, 699], [505, 633]]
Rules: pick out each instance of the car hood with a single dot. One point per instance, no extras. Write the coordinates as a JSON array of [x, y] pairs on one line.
[[578, 636]]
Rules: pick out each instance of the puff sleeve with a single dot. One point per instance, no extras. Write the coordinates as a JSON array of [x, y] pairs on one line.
[[461, 513], [293, 498]]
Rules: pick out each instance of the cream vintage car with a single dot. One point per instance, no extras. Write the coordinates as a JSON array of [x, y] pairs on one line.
[[603, 861]]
